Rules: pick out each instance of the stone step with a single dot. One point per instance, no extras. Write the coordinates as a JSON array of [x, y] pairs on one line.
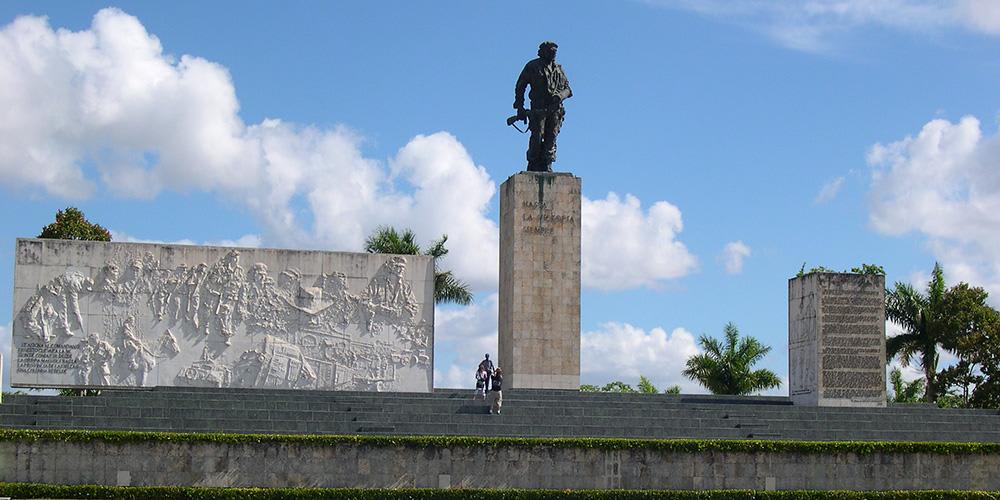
[[512, 417], [527, 413], [221, 411], [382, 400], [514, 411]]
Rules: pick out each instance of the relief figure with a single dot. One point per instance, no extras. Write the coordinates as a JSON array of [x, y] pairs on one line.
[[135, 355], [388, 298], [316, 332], [94, 361]]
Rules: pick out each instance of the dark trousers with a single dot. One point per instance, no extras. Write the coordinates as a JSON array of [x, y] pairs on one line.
[[544, 126]]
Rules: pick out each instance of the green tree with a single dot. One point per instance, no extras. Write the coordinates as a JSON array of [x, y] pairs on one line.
[[674, 389], [618, 386], [903, 391], [862, 269], [647, 387], [726, 366], [447, 288], [869, 269], [943, 317], [974, 381], [920, 316], [71, 224]]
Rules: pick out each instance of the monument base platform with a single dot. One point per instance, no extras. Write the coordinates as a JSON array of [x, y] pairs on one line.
[[353, 454], [526, 413]]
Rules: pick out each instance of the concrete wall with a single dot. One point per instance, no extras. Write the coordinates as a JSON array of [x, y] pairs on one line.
[[539, 304], [836, 339], [96, 314], [352, 465]]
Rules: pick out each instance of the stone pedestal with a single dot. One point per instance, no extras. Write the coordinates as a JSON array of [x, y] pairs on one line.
[[836, 339], [539, 322]]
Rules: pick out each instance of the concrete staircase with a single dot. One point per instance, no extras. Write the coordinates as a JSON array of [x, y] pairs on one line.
[[528, 413]]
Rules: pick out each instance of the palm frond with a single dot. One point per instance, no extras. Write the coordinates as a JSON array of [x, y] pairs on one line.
[[904, 346], [386, 239], [437, 249], [903, 305], [447, 288], [725, 366], [936, 286]]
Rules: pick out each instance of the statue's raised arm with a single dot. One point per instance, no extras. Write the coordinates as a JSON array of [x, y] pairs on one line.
[[549, 88]]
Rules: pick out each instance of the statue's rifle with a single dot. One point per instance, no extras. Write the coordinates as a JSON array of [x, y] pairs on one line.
[[521, 116]]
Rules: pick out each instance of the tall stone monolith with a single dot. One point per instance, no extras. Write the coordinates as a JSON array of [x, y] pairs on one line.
[[539, 322], [836, 339]]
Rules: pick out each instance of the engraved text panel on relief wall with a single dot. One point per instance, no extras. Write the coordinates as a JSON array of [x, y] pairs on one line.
[[851, 343]]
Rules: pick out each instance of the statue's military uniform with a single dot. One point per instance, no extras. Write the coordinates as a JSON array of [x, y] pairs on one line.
[[549, 87]]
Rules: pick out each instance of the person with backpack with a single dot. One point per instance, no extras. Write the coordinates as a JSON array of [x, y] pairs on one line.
[[487, 366], [480, 384], [496, 391]]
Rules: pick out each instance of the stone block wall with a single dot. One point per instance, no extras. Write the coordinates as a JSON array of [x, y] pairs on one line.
[[836, 339], [97, 314], [276, 464], [539, 320]]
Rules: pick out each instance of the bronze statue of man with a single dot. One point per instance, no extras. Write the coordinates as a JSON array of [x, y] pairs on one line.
[[549, 88]]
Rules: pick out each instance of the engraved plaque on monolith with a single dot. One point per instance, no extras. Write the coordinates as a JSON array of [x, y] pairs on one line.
[[539, 321], [95, 314], [836, 339]]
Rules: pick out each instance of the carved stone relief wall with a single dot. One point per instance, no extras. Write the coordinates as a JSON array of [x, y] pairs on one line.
[[836, 339], [93, 314]]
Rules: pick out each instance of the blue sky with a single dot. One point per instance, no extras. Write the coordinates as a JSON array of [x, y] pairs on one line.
[[721, 144]]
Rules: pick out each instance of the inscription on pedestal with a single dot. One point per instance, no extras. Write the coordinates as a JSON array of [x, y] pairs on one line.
[[837, 339]]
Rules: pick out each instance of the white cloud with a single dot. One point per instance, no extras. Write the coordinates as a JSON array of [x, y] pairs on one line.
[[910, 372], [109, 99], [454, 377], [468, 332], [615, 351], [943, 184], [829, 191], [107, 109], [5, 350], [812, 25], [452, 197], [245, 241], [733, 255], [474, 325], [620, 351], [981, 15], [625, 247]]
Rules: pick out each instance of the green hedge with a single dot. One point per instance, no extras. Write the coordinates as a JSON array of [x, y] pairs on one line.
[[669, 445], [25, 490]]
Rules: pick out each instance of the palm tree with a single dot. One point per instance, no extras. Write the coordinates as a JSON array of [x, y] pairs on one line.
[[903, 391], [726, 367], [447, 288], [921, 317], [647, 387]]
